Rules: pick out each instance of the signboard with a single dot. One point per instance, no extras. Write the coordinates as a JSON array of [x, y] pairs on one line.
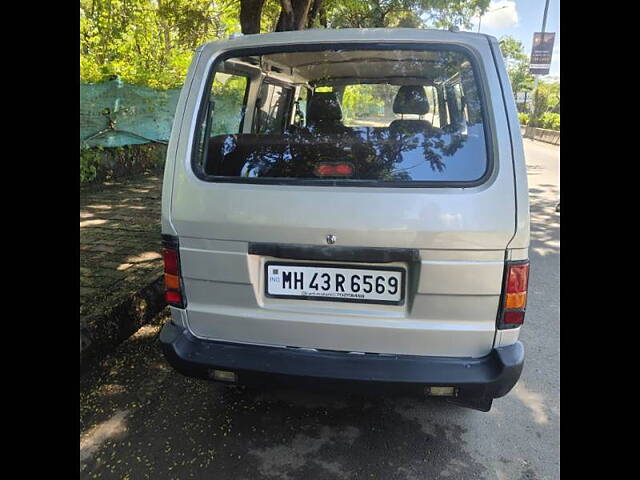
[[541, 52]]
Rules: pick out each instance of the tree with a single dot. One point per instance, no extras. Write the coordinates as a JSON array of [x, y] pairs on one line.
[[517, 63], [151, 42], [148, 42], [545, 100], [300, 14], [250, 15], [512, 50], [293, 15]]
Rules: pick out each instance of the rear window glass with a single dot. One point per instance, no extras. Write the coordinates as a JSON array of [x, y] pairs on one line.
[[344, 116]]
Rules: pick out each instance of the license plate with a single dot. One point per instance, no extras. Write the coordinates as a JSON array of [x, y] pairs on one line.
[[335, 283]]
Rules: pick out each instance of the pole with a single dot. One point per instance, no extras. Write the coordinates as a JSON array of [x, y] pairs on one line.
[[544, 18], [544, 24], [535, 77]]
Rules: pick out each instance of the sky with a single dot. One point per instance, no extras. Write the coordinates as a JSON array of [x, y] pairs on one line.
[[520, 18]]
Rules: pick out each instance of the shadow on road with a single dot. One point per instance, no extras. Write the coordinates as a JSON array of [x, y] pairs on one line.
[[140, 419], [545, 221]]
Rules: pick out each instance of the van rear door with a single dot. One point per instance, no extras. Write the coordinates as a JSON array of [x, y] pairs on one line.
[[430, 195]]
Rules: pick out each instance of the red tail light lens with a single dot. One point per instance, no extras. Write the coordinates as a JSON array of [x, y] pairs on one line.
[[173, 286], [170, 256], [173, 298], [334, 170], [343, 169], [518, 277], [513, 318], [514, 295]]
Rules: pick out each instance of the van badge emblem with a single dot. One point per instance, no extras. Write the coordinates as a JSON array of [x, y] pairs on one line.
[[331, 239]]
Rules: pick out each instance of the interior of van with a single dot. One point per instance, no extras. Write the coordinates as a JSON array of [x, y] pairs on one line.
[[383, 115]]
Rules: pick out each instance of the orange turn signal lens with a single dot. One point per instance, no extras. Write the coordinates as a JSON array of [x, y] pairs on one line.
[[171, 281], [515, 301]]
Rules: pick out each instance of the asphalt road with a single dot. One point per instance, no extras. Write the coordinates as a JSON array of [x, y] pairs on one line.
[[140, 419]]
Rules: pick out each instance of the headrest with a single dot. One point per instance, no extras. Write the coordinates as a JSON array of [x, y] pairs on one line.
[[324, 106], [411, 99]]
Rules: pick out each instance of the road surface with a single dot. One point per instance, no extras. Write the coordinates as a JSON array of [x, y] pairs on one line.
[[139, 419]]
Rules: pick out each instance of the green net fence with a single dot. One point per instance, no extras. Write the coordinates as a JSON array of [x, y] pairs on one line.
[[114, 114]]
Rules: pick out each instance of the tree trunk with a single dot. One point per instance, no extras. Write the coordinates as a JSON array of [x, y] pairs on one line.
[[323, 16], [250, 14], [313, 12], [293, 15]]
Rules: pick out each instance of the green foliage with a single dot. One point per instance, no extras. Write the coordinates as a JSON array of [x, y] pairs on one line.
[[524, 118], [403, 13], [512, 49], [99, 163], [548, 95], [228, 95], [550, 121], [517, 63], [148, 42], [270, 14], [151, 42], [445, 13], [89, 162], [546, 99], [360, 101]]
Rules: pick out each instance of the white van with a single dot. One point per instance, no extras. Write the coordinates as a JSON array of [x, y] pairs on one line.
[[348, 206]]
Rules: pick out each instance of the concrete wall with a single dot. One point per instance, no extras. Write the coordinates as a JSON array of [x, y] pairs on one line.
[[541, 134]]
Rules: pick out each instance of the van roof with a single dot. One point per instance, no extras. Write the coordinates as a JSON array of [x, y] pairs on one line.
[[348, 35]]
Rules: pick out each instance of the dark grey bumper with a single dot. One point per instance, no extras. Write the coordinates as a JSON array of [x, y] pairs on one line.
[[478, 380]]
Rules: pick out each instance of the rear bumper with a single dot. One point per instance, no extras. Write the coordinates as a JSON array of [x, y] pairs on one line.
[[477, 380]]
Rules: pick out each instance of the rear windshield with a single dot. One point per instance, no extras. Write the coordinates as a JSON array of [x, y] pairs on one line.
[[343, 116]]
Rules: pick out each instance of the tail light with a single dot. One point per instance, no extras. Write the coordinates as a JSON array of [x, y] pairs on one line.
[[514, 296], [334, 169], [174, 294]]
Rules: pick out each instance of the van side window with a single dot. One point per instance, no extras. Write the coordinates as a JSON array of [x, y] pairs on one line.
[[433, 114], [228, 94], [453, 106], [300, 107], [470, 95], [459, 114], [271, 109], [372, 105]]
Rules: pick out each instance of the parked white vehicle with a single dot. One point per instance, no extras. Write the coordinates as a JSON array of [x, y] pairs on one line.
[[348, 206]]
